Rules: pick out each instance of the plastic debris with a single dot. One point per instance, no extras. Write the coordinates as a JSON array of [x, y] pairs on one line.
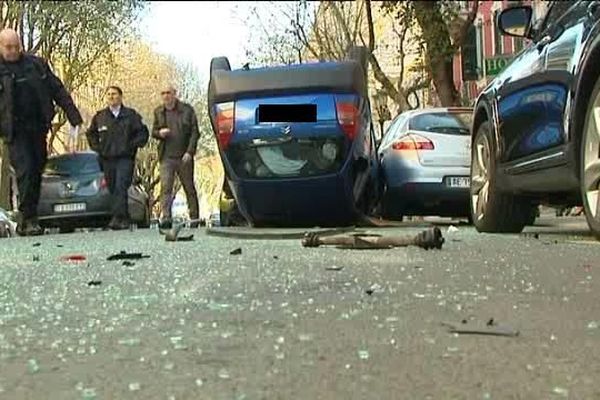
[[134, 386], [592, 325], [490, 328], [32, 366], [74, 258], [334, 268], [128, 263], [452, 229], [236, 252], [560, 391], [94, 283], [123, 255], [363, 354], [37, 244]]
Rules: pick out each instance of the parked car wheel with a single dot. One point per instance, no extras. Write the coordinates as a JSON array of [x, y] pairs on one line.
[[492, 211], [590, 161]]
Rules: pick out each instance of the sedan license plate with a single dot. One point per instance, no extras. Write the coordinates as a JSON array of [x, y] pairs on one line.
[[459, 182], [69, 208]]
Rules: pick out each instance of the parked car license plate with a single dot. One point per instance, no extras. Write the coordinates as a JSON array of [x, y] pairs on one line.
[[68, 208], [459, 182]]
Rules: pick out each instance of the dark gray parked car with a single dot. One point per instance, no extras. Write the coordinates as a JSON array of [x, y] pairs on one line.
[[75, 195]]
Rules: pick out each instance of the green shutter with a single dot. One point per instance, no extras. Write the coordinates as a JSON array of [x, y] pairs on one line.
[[469, 56]]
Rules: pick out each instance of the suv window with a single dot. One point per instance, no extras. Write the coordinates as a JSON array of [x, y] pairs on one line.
[[557, 10], [73, 165]]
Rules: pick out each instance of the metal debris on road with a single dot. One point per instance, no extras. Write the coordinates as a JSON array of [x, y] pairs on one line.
[[236, 252], [123, 255], [428, 239], [94, 283], [491, 328]]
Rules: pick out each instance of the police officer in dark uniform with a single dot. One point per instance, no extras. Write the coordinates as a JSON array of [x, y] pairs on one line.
[[28, 91], [116, 133]]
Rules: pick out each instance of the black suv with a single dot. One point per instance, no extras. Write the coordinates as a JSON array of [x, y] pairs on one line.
[[536, 126]]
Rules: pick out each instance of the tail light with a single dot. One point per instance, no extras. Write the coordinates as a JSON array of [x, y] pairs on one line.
[[103, 183], [347, 115], [413, 142], [224, 120]]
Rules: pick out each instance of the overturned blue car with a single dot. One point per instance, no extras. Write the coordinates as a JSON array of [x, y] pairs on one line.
[[297, 142]]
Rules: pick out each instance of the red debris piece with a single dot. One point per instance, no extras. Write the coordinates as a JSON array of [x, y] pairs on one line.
[[74, 258]]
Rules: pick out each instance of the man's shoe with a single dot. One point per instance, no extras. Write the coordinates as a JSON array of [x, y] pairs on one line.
[[113, 223], [30, 228]]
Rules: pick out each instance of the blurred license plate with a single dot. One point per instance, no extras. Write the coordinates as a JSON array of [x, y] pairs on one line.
[[68, 208], [459, 182]]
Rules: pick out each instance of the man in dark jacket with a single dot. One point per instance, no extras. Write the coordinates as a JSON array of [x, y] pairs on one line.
[[28, 91], [176, 128], [116, 133]]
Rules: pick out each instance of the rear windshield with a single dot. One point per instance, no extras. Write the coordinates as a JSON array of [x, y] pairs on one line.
[[73, 165], [296, 158], [442, 122]]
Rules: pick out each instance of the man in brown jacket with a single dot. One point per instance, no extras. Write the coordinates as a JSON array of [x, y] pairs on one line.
[[176, 128]]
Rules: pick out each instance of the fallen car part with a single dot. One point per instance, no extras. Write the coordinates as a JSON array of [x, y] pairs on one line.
[[428, 239], [127, 256], [489, 329]]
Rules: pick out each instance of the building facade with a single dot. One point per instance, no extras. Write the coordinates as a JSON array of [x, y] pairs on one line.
[[486, 51]]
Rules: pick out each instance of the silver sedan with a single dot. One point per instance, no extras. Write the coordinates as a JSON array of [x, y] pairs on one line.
[[425, 161]]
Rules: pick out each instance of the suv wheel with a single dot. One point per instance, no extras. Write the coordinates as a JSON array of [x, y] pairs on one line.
[[590, 162], [491, 210]]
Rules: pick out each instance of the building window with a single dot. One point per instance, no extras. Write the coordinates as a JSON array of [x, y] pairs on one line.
[[498, 38], [518, 44], [480, 49]]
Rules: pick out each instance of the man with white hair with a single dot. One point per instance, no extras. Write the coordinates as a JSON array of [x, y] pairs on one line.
[[29, 91], [176, 128]]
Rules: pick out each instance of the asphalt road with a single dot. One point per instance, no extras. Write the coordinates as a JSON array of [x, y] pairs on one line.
[[278, 322]]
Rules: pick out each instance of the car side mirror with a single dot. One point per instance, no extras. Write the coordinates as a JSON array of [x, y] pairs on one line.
[[515, 21]]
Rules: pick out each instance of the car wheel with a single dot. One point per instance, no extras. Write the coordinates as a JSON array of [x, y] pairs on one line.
[[491, 210], [590, 162]]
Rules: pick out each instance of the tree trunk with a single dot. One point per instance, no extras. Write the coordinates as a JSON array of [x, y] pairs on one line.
[[440, 50]]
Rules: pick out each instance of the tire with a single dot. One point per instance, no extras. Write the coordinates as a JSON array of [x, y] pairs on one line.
[[492, 211], [593, 158]]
